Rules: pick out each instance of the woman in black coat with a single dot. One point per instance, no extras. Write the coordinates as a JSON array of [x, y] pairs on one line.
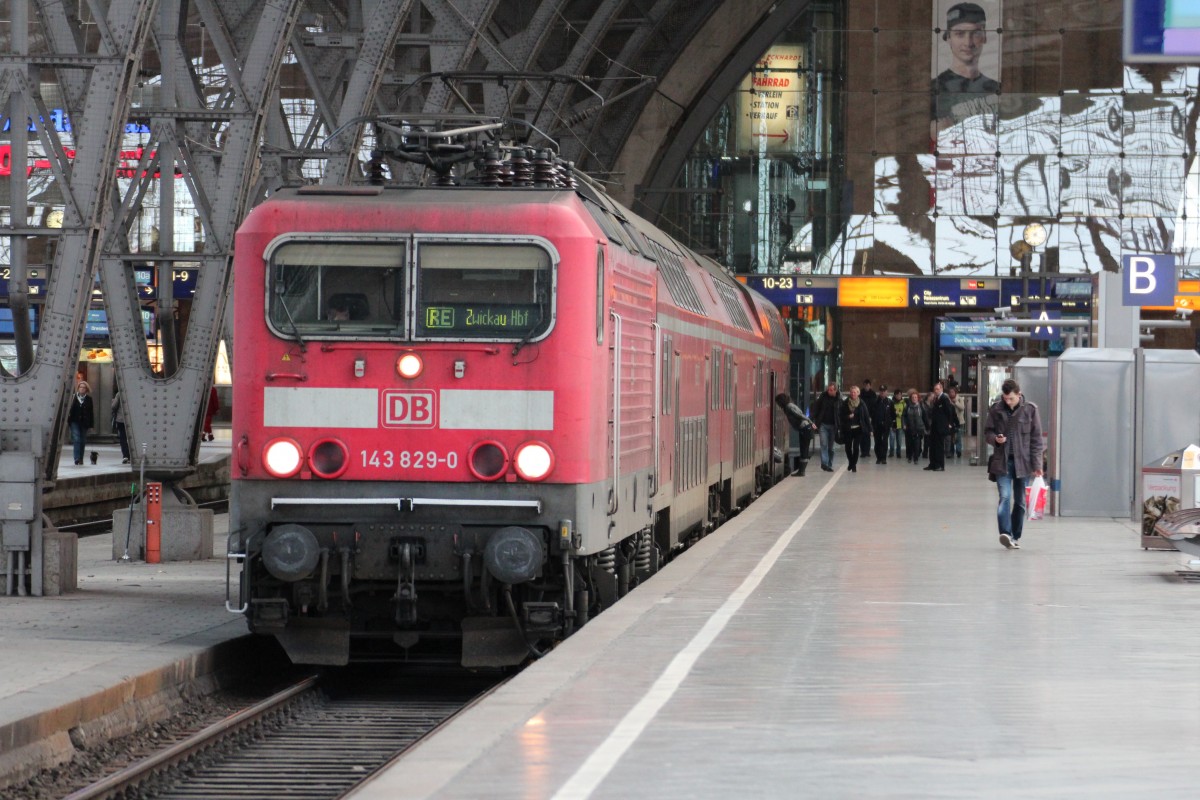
[[854, 422], [80, 418]]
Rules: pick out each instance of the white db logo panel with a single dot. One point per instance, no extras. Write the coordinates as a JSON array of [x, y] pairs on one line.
[[408, 409]]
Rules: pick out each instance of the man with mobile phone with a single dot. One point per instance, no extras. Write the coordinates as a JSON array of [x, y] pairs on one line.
[[1014, 430]]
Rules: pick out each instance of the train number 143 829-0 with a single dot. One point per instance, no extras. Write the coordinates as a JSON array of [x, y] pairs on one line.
[[408, 459]]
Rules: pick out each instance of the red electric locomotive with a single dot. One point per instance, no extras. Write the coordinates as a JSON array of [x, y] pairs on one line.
[[467, 418]]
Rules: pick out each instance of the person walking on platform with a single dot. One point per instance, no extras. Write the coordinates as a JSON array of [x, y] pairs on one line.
[[80, 418], [942, 422], [824, 413], [854, 421], [213, 406], [927, 407], [1014, 430], [954, 443], [896, 432], [883, 420], [870, 398], [916, 426], [118, 425]]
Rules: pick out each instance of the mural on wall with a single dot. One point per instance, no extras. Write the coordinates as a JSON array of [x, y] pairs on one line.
[[1107, 166], [962, 89]]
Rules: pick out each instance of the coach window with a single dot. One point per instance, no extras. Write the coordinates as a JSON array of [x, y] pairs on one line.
[[483, 291], [715, 379], [320, 289]]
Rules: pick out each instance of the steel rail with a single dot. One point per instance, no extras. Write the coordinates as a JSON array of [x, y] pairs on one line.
[[195, 743]]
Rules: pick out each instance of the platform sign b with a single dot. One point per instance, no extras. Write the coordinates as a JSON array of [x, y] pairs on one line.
[[1148, 280]]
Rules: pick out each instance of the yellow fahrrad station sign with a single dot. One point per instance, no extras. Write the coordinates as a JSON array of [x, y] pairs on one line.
[[771, 103]]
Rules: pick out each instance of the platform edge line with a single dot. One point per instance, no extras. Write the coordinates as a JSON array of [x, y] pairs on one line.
[[604, 758]]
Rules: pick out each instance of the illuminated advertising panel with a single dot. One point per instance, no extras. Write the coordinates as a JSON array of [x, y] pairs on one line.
[[873, 293]]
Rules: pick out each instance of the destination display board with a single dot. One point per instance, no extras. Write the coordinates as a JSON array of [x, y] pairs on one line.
[[507, 320], [96, 326], [1069, 294], [6, 322], [969, 335]]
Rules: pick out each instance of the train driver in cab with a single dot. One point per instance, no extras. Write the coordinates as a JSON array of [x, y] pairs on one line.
[[338, 309]]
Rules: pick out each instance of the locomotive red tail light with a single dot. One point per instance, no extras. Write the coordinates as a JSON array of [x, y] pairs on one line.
[[487, 460], [282, 457], [533, 461], [409, 366], [328, 458]]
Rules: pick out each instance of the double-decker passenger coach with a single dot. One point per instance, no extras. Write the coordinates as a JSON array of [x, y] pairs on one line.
[[466, 418]]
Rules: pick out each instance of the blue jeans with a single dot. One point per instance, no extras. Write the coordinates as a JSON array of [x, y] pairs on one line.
[[895, 442], [957, 437], [1010, 514], [827, 446], [79, 438]]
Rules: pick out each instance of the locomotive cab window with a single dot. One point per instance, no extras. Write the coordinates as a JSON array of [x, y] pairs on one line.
[[494, 290], [337, 289]]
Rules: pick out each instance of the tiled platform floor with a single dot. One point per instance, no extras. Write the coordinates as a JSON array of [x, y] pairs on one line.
[[892, 649]]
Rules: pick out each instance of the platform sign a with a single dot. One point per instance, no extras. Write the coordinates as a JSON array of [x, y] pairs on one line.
[[1148, 280]]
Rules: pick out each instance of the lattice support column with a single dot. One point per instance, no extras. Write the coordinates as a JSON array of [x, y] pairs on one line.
[[212, 122], [96, 65]]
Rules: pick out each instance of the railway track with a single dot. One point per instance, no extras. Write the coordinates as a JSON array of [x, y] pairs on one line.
[[312, 741]]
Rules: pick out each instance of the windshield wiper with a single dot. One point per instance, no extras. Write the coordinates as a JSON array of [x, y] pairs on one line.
[[288, 312], [537, 323]]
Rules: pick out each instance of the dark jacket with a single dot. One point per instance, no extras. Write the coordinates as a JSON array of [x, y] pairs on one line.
[[81, 412], [795, 415], [943, 419], [915, 421], [847, 420], [883, 414], [825, 409], [1023, 429], [118, 416]]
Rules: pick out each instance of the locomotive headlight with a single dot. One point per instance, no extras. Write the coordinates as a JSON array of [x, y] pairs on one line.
[[533, 461], [328, 458], [282, 457], [409, 366]]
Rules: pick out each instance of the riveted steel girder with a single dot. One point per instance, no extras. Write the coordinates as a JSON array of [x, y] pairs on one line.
[[379, 29], [214, 154], [97, 89]]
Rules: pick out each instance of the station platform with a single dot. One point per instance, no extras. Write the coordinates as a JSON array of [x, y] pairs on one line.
[[855, 635], [108, 456], [848, 635], [84, 492], [122, 650]]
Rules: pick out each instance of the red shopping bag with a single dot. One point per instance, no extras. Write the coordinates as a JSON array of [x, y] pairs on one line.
[[1035, 498]]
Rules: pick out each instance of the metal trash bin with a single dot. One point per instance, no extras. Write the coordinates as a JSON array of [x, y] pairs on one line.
[[1169, 484]]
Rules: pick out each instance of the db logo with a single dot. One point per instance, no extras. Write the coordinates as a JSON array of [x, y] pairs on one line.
[[408, 409]]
